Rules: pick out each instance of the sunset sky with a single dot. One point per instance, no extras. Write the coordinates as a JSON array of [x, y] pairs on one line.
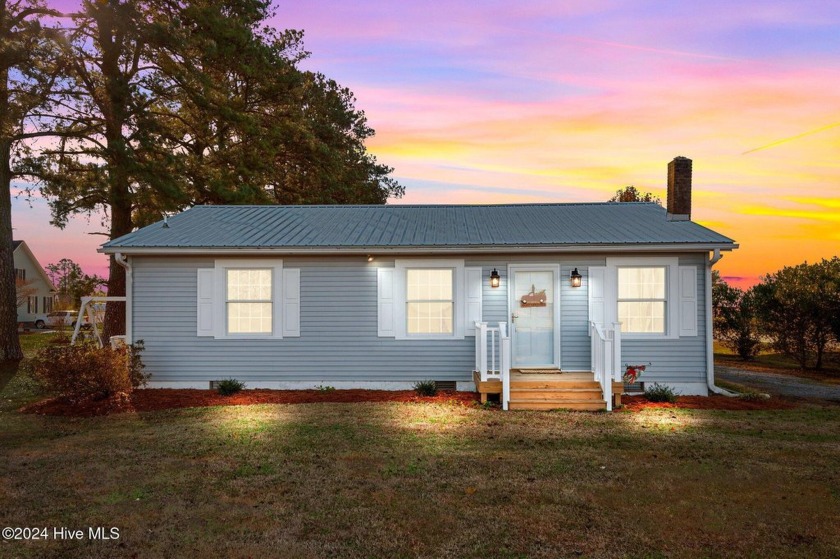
[[567, 101]]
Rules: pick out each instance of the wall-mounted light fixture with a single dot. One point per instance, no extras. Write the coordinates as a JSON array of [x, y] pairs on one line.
[[495, 278], [370, 258], [576, 278]]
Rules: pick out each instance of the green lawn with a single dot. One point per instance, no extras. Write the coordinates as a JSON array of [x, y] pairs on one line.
[[423, 480]]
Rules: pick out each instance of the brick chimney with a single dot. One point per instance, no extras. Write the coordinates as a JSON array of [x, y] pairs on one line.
[[679, 189]]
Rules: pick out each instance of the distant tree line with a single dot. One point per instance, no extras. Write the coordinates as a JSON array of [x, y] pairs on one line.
[[135, 108], [71, 283], [797, 310], [632, 194]]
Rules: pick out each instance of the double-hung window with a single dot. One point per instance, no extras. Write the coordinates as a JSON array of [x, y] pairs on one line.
[[642, 299], [249, 300], [240, 298], [430, 301]]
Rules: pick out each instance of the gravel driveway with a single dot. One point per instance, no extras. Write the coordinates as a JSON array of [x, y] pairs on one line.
[[781, 385]]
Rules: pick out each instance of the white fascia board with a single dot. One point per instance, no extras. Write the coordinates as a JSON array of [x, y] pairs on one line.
[[273, 251]]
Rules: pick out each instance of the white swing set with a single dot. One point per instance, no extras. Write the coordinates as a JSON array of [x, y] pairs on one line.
[[92, 307]]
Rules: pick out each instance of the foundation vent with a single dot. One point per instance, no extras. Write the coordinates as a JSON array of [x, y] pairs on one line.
[[445, 385], [636, 387]]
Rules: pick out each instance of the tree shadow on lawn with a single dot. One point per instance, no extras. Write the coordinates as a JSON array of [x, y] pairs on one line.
[[8, 370], [409, 479]]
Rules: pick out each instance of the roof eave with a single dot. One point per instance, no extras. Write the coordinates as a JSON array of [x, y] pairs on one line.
[[38, 266], [322, 250]]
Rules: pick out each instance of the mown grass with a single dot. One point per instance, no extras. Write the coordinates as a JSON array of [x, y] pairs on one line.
[[427, 480], [16, 388], [422, 480]]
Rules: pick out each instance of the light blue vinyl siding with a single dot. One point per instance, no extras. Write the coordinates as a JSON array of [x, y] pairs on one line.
[[674, 360], [574, 316], [338, 339]]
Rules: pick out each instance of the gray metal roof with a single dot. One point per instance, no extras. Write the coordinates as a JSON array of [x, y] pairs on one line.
[[417, 226]]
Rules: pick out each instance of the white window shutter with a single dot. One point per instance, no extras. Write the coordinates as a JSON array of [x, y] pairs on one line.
[[385, 302], [688, 300], [291, 302], [472, 299], [597, 277], [205, 325]]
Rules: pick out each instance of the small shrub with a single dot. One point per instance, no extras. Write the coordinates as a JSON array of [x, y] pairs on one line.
[[425, 388], [660, 393], [229, 386], [86, 370], [325, 388]]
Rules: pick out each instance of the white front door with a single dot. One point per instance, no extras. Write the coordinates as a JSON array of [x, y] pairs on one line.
[[533, 314]]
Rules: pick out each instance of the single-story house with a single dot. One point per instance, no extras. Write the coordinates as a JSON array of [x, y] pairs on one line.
[[514, 299], [36, 293]]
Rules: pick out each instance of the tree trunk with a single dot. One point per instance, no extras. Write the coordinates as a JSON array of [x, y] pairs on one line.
[[10, 351], [116, 110], [9, 341], [121, 224], [820, 343]]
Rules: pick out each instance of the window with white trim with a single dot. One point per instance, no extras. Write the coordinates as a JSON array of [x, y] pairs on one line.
[[642, 299], [249, 300], [430, 301]]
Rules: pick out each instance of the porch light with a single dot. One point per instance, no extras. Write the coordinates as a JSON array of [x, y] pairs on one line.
[[370, 258], [495, 278], [576, 277]]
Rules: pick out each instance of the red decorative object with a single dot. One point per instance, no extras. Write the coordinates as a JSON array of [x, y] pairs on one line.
[[632, 373]]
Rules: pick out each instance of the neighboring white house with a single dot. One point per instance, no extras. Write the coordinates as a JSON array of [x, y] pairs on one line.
[[32, 280], [544, 304]]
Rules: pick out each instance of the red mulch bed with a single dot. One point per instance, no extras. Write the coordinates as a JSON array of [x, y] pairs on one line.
[[712, 402], [165, 398]]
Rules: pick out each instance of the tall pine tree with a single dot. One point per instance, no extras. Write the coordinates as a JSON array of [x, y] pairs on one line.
[[186, 103], [29, 79]]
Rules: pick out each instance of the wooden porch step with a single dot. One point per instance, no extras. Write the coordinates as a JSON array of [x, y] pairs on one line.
[[554, 384], [556, 394], [536, 404]]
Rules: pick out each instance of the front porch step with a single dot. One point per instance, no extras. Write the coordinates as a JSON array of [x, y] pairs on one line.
[[571, 404], [548, 391], [554, 384], [563, 393]]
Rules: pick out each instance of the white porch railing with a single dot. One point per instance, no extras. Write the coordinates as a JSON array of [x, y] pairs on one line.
[[606, 357], [492, 356]]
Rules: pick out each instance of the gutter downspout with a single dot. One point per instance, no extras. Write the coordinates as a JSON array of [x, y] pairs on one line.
[[710, 348], [122, 260]]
